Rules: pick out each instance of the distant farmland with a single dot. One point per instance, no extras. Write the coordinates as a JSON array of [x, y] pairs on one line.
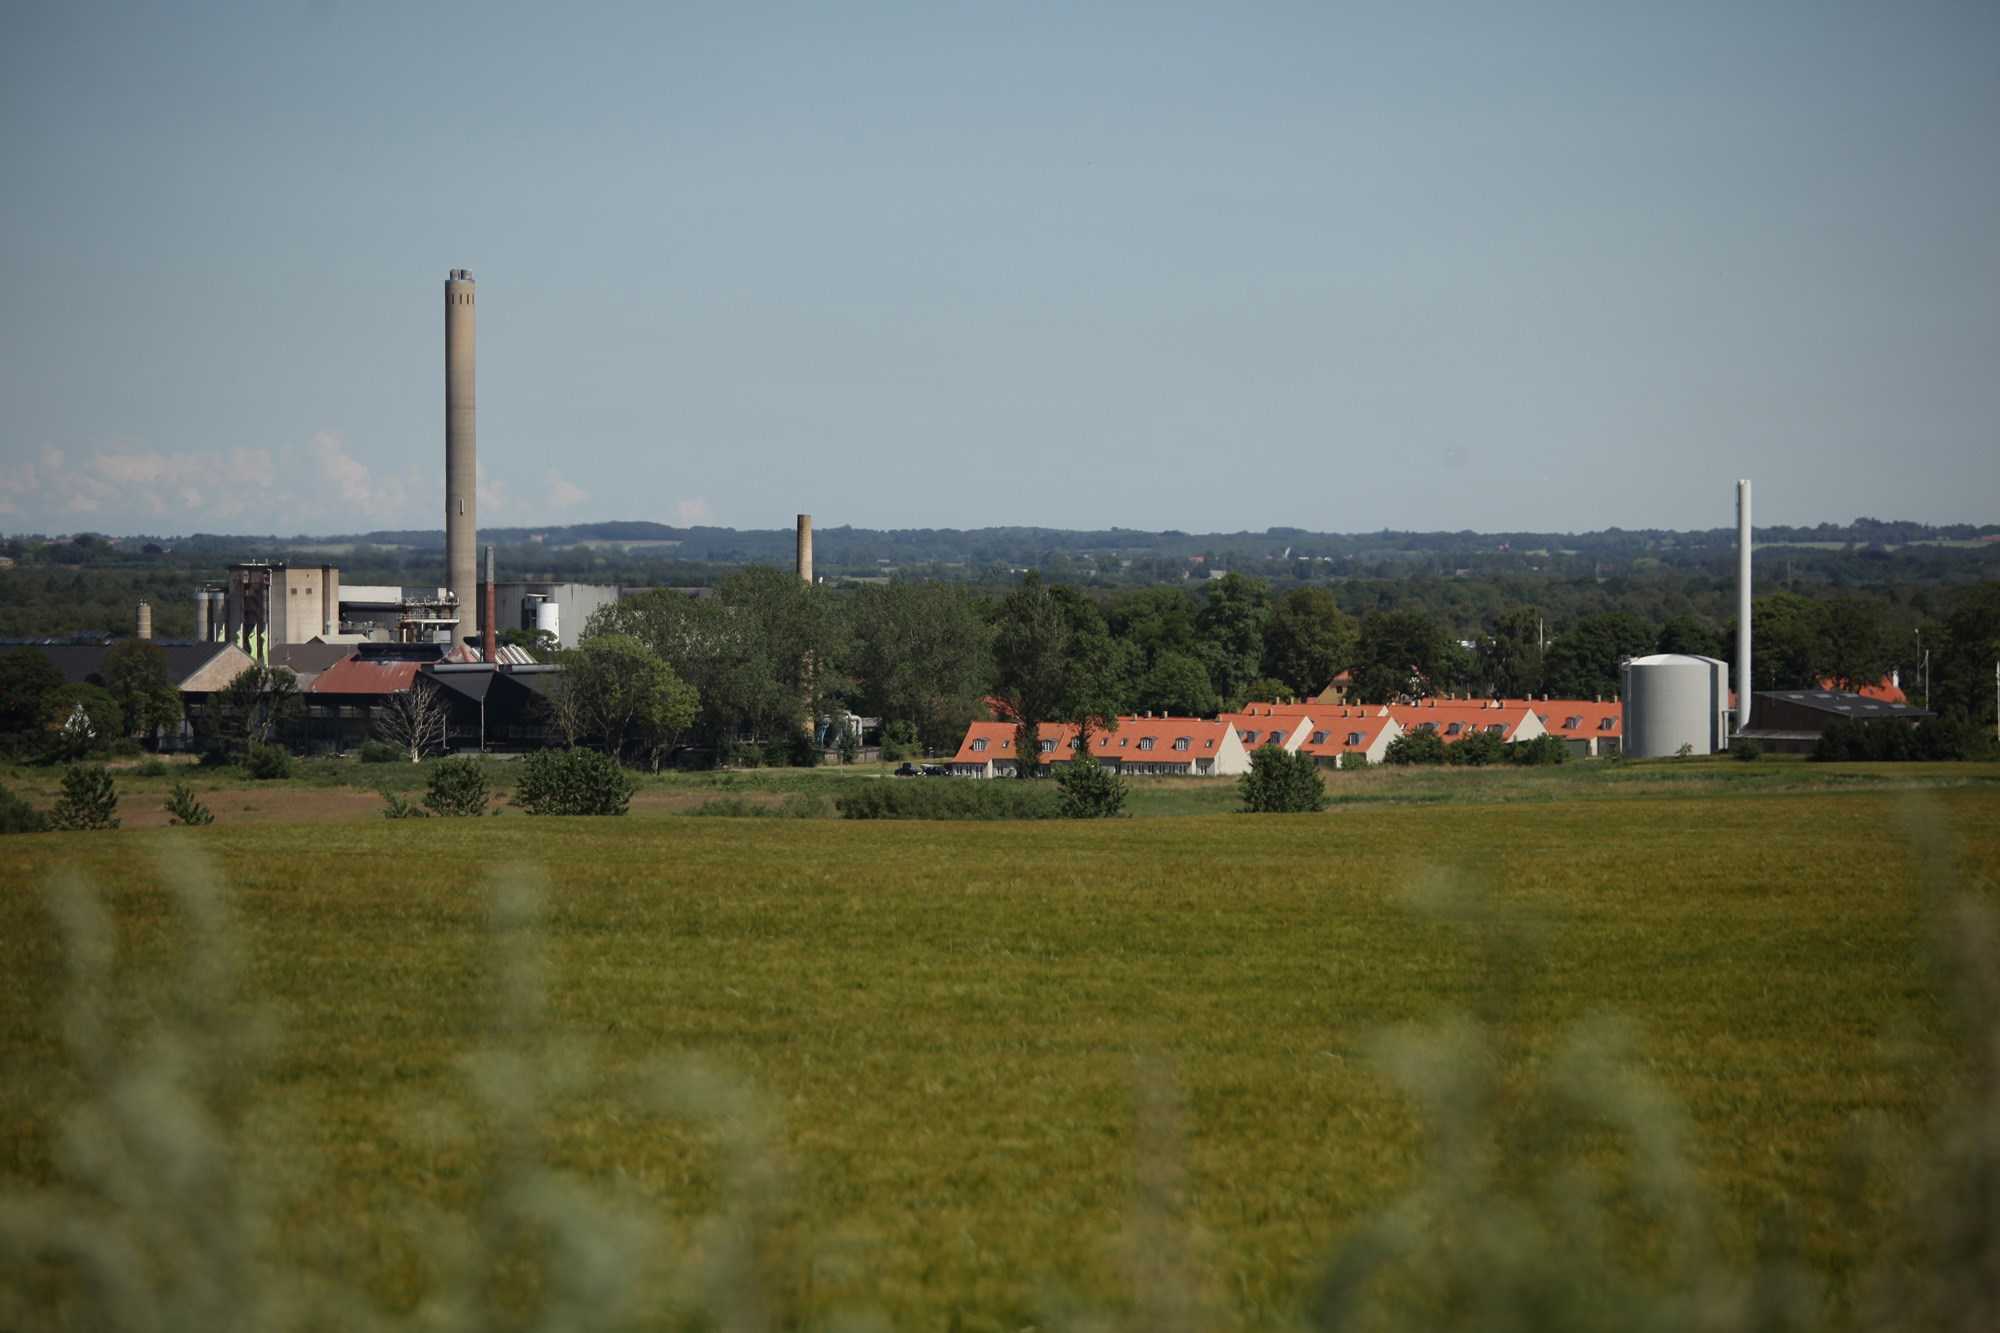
[[999, 1070]]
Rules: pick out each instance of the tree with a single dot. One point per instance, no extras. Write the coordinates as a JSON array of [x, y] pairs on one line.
[[27, 678], [258, 701], [183, 808], [1230, 625], [1404, 653], [457, 789], [135, 673], [1854, 646], [1308, 640], [923, 653], [1583, 661], [1089, 790], [1509, 655], [1052, 662], [1691, 635], [621, 692], [89, 799], [1787, 635], [1282, 783], [1415, 747], [78, 719], [1962, 667], [1177, 684], [415, 720]]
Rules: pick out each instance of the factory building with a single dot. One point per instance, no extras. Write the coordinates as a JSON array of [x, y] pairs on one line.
[[562, 609]]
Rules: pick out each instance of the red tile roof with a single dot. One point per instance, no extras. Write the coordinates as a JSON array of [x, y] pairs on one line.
[[1886, 690], [359, 675], [1467, 715], [1590, 715], [1204, 740], [1342, 735]]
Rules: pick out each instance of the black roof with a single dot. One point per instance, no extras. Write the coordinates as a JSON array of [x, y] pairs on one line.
[[1843, 703], [78, 662]]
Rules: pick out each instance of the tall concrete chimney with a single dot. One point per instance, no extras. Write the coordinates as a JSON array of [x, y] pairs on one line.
[[461, 450], [489, 651], [1742, 604], [145, 620], [805, 551]]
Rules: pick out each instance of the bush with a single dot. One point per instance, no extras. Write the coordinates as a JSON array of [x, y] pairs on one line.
[[17, 816], [1087, 789], [152, 768], [1890, 741], [573, 782], [964, 798], [457, 789], [395, 807], [267, 763], [801, 750], [183, 808], [1415, 747], [89, 799], [899, 740], [1539, 752], [1353, 760], [849, 745], [1744, 750], [381, 752], [215, 754], [799, 805], [1477, 750], [1282, 783]]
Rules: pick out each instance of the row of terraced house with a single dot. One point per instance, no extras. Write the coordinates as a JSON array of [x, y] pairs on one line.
[[1327, 729]]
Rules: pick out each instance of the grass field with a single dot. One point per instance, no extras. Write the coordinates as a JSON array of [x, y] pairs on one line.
[[1001, 1068]]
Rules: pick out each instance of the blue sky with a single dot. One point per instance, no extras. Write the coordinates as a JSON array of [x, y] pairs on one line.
[[1339, 267]]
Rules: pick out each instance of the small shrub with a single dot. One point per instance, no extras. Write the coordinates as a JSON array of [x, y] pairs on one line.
[[267, 763], [457, 789], [216, 754], [1415, 747], [1746, 750], [183, 808], [1282, 783], [1353, 760], [1540, 752], [1477, 750], [1087, 789], [89, 799], [935, 798], [573, 782], [395, 807], [152, 768], [17, 816], [380, 752]]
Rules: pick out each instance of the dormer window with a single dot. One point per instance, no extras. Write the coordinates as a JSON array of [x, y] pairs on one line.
[[1145, 742], [1496, 728], [1048, 746], [1121, 742], [1606, 723], [1452, 729], [1072, 742], [1319, 738], [1353, 738], [1274, 738], [979, 746], [1572, 723], [1208, 744], [1427, 726], [1183, 742]]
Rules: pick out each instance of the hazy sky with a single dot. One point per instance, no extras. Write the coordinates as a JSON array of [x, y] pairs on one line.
[[1339, 267]]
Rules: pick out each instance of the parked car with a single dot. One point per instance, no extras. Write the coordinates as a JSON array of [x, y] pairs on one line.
[[936, 771], [908, 771]]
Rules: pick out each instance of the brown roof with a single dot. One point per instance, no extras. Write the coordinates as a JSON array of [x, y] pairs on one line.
[[358, 675]]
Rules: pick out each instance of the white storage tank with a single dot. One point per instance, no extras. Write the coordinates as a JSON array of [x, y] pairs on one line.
[[548, 619], [1674, 700]]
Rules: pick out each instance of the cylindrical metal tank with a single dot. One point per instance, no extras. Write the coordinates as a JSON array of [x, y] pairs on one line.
[[201, 615], [548, 619], [218, 614], [1670, 702], [145, 620]]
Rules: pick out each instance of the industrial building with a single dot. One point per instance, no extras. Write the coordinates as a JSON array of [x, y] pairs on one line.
[[1791, 721]]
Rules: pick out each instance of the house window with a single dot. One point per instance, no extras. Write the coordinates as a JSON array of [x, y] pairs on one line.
[[1208, 745], [1145, 742], [1047, 746], [1250, 737], [1183, 742], [979, 746], [1121, 742], [1427, 726], [1319, 737], [1496, 728], [1606, 723], [1072, 742], [1354, 738], [1274, 738], [1572, 723], [1452, 730]]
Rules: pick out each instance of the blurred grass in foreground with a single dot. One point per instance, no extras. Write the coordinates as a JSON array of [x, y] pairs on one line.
[[542, 1139]]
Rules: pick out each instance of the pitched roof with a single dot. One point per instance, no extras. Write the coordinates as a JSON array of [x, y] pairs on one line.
[[360, 675], [1465, 716], [1341, 735], [1842, 703], [1129, 742], [78, 662], [1588, 715]]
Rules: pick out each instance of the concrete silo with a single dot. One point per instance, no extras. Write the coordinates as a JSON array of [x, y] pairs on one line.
[[1674, 700]]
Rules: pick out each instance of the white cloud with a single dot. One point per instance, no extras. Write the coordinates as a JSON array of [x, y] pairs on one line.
[[563, 493], [693, 513]]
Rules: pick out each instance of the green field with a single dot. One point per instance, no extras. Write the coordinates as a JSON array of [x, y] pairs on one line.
[[988, 1075]]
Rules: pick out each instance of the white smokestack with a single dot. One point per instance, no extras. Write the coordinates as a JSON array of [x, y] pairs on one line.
[[803, 553], [461, 448], [1742, 604]]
